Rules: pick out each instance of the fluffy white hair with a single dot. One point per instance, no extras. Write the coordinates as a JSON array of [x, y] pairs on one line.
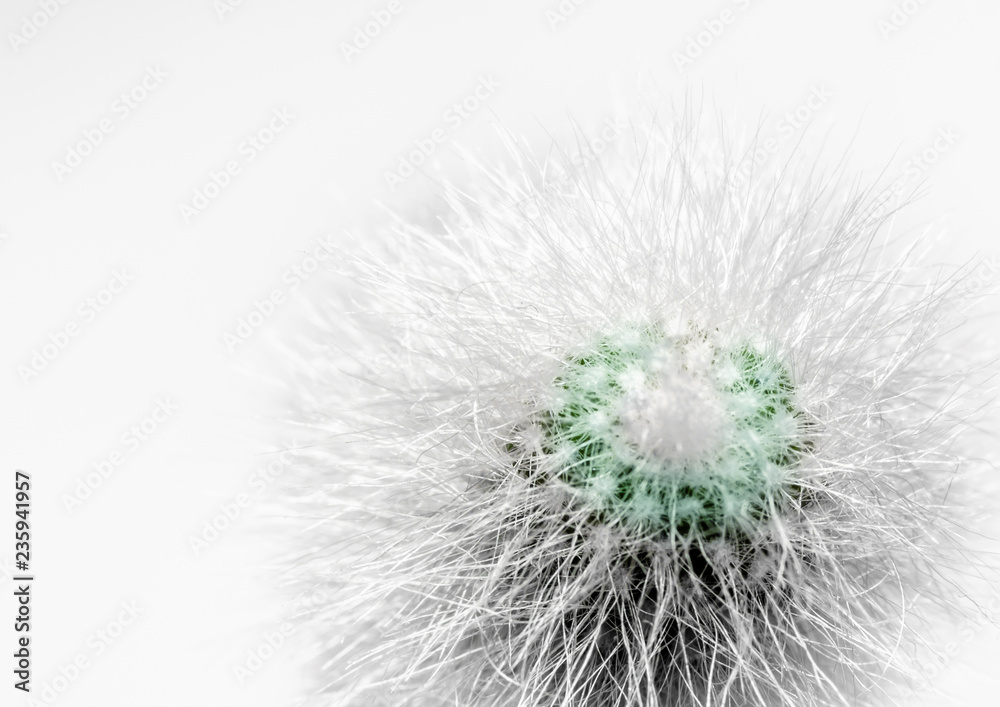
[[468, 568]]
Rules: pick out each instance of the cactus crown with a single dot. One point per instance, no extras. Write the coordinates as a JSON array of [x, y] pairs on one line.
[[686, 433]]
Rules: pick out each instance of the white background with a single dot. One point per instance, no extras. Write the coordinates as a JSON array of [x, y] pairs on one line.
[[892, 88]]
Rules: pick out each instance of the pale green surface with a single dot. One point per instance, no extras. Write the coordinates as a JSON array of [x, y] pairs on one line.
[[732, 484]]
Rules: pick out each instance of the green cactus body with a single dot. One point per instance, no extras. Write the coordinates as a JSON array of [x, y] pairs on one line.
[[685, 434]]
